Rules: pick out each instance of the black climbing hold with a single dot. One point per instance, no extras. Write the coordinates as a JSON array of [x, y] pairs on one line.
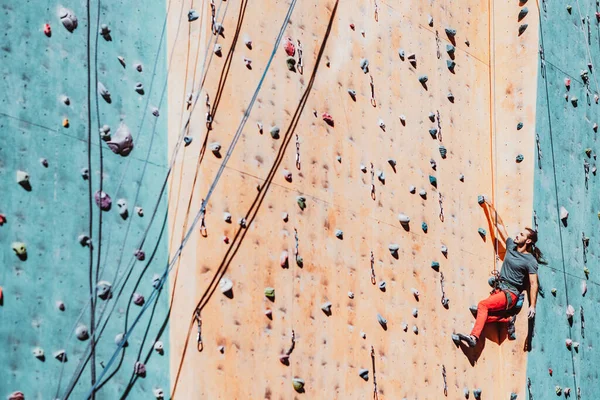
[[522, 29], [523, 13], [103, 91]]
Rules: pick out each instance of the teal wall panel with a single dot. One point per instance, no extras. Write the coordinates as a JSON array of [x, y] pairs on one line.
[[566, 130], [36, 71]]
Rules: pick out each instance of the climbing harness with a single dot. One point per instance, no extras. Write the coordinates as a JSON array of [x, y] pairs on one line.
[[444, 298], [375, 396], [373, 102], [437, 44], [441, 200], [444, 378], [198, 320], [373, 281], [297, 152], [372, 182]]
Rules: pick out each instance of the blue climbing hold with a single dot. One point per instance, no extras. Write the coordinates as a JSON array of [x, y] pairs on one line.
[[450, 64], [482, 232], [519, 126], [435, 265], [519, 158], [187, 140], [450, 49], [423, 78], [424, 227], [443, 151], [450, 32], [433, 132], [480, 199], [433, 180]]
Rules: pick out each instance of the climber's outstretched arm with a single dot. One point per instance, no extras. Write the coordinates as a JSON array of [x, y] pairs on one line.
[[499, 224]]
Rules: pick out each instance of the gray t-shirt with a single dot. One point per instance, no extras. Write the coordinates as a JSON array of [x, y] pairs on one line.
[[517, 267]]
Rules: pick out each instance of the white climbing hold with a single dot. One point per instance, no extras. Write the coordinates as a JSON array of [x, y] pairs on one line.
[[415, 329], [415, 312], [363, 168], [159, 393], [564, 214], [68, 19], [444, 249], [159, 347], [215, 147], [122, 207], [83, 240], [381, 124], [139, 87], [139, 211], [364, 373], [227, 217], [583, 288], [38, 352], [570, 311], [221, 349], [248, 41], [405, 327], [403, 218], [415, 293], [121, 142], [284, 217], [422, 192], [65, 99], [22, 177], [225, 284], [138, 67], [155, 111], [103, 289], [103, 91], [218, 49], [326, 307], [412, 189], [121, 60], [350, 295], [60, 355], [104, 132], [81, 332], [119, 338], [104, 31], [363, 335], [60, 305]]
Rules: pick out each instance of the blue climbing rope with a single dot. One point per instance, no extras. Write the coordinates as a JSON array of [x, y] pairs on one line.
[[202, 210]]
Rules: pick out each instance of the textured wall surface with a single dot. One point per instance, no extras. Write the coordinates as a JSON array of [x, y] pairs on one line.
[[569, 40], [244, 334], [37, 70]]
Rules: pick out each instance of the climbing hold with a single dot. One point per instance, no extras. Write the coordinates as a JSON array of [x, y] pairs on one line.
[[60, 355], [288, 46], [450, 32], [81, 332], [412, 58], [154, 111], [138, 67], [443, 151], [381, 176], [364, 65], [105, 132], [215, 147], [159, 393], [270, 293], [65, 123], [564, 214], [382, 286], [290, 62], [477, 394], [339, 234], [415, 330], [219, 29], [287, 175], [103, 289], [218, 50], [451, 64], [269, 313], [16, 396], [394, 248], [44, 162], [423, 79], [513, 396], [338, 159], [47, 30], [283, 259], [466, 391], [38, 353], [480, 199], [352, 94], [576, 345], [433, 180], [522, 13], [588, 152], [68, 19], [103, 91], [583, 288], [450, 49], [350, 295], [450, 97], [522, 29], [122, 61], [435, 265], [120, 340], [156, 281], [225, 285], [415, 312], [424, 227], [567, 392], [403, 119], [553, 291], [415, 293], [461, 177], [139, 369], [20, 249], [60, 305], [221, 349], [363, 335], [433, 164], [519, 158], [363, 168], [364, 373], [121, 142], [412, 189], [193, 15], [558, 390], [568, 343], [326, 307], [105, 32], [401, 54], [482, 232], [65, 99], [139, 211], [274, 132], [403, 218], [23, 179], [242, 222], [138, 299], [248, 42], [301, 200], [430, 21], [570, 312], [298, 384], [392, 162], [284, 217], [405, 327], [139, 87], [382, 321], [444, 250], [519, 126], [574, 100], [103, 200], [328, 119]]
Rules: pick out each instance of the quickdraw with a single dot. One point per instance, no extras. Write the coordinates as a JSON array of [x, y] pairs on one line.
[[198, 320], [372, 182], [300, 63], [445, 300], [582, 322], [373, 101], [298, 165], [375, 397], [437, 44], [444, 378], [373, 281], [209, 118], [439, 125], [441, 201], [539, 150]]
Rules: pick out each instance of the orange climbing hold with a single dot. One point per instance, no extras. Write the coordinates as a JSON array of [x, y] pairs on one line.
[[289, 47], [65, 122], [47, 30]]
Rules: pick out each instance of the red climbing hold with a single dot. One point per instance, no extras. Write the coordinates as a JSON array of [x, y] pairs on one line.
[[226, 239], [2, 219], [328, 119], [289, 47], [47, 30], [568, 82], [598, 16], [550, 371], [352, 26]]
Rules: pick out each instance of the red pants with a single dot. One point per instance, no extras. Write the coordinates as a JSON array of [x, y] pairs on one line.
[[495, 304]]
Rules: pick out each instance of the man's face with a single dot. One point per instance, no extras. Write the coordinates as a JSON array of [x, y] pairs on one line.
[[522, 238]]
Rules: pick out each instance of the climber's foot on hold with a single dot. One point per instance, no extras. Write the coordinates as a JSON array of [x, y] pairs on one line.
[[468, 339], [512, 335]]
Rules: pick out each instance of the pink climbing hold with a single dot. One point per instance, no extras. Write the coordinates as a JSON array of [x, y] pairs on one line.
[[598, 16], [139, 369], [289, 47], [283, 259], [47, 30], [103, 200], [140, 254], [328, 119], [138, 299], [568, 82], [16, 396]]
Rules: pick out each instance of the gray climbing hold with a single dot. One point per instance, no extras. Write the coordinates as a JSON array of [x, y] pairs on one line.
[[461, 177], [519, 126], [298, 384], [403, 218], [60, 355], [44, 162], [381, 176], [301, 200], [382, 285], [382, 321], [159, 347], [219, 28], [339, 234], [225, 285], [159, 393], [193, 15], [155, 111], [122, 207], [364, 373], [139, 87], [364, 65], [381, 124], [65, 99], [443, 151], [415, 330], [444, 250], [339, 159], [121, 61], [290, 62], [274, 132], [363, 335], [242, 222], [103, 289], [432, 117], [121, 142], [138, 299], [519, 158], [522, 29], [402, 119], [102, 200], [450, 32], [81, 332], [68, 19], [120, 340], [450, 97], [465, 390], [423, 78], [105, 32], [405, 327], [104, 132], [103, 91], [326, 307], [139, 369], [564, 214], [433, 163]]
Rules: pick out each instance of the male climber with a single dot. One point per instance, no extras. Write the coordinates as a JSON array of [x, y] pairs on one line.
[[518, 273]]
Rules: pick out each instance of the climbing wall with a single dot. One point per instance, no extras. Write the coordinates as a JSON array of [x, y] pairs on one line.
[[53, 162], [565, 357], [346, 214]]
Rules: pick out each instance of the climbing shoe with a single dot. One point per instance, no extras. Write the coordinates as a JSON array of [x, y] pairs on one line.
[[468, 339], [512, 335]]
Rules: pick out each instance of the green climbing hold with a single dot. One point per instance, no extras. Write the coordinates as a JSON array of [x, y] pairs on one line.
[[424, 227], [301, 202], [558, 390], [270, 293], [435, 265], [519, 158], [553, 291], [298, 384], [482, 232], [433, 180], [569, 8]]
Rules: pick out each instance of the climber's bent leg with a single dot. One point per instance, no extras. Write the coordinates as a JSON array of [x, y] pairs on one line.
[[495, 302], [497, 318]]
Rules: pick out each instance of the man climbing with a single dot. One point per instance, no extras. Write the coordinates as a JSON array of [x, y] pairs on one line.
[[518, 273]]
